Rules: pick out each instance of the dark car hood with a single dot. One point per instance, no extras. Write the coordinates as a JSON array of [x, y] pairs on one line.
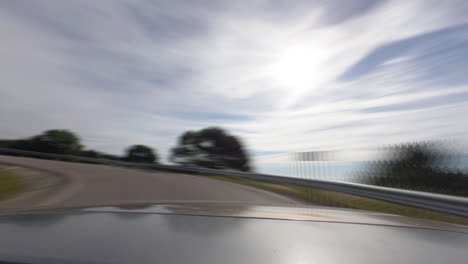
[[244, 210], [224, 233]]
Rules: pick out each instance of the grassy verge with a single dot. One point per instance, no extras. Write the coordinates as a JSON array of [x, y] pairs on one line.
[[337, 199], [10, 184]]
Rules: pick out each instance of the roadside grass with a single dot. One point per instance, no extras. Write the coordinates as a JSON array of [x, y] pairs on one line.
[[10, 183], [343, 200]]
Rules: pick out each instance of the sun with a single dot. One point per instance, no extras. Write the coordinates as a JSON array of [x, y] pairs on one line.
[[297, 68], [295, 65]]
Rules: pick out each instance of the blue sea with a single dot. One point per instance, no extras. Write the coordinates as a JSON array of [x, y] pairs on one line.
[[342, 171]]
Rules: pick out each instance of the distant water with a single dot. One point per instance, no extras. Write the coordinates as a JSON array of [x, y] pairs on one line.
[[344, 171], [336, 171]]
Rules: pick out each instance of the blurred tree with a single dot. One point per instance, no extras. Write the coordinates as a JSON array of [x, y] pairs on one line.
[[110, 156], [210, 148], [58, 142], [141, 153], [89, 153], [418, 166], [52, 141], [7, 143]]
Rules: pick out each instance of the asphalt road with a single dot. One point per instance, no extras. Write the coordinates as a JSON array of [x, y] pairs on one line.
[[78, 184]]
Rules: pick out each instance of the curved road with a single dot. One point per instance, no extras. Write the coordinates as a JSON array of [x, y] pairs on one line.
[[77, 184]]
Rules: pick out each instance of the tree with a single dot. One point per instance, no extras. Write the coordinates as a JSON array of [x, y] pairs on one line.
[[210, 148], [6, 143], [89, 153], [52, 141], [141, 153], [418, 166]]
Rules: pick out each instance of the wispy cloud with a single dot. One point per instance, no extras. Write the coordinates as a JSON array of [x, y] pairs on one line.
[[284, 76]]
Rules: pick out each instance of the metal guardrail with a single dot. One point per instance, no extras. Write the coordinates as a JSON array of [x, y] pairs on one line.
[[443, 203]]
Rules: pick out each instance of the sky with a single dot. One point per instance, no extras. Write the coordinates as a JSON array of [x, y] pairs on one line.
[[283, 76]]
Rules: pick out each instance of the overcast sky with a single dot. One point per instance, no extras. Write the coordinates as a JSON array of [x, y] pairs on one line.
[[282, 75]]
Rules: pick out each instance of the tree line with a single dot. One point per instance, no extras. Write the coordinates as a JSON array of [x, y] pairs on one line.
[[209, 148], [414, 166], [423, 166]]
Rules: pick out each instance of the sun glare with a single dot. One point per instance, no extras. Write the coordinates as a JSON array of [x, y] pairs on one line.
[[297, 68]]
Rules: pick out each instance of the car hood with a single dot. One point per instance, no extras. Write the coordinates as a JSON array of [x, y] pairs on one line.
[[224, 233], [245, 210]]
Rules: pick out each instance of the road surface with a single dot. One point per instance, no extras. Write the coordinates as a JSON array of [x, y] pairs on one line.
[[78, 184]]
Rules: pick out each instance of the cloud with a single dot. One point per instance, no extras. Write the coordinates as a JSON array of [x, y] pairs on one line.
[[436, 52], [284, 77]]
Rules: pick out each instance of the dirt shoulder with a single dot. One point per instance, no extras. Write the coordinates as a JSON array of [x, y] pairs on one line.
[[20, 186], [10, 182]]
